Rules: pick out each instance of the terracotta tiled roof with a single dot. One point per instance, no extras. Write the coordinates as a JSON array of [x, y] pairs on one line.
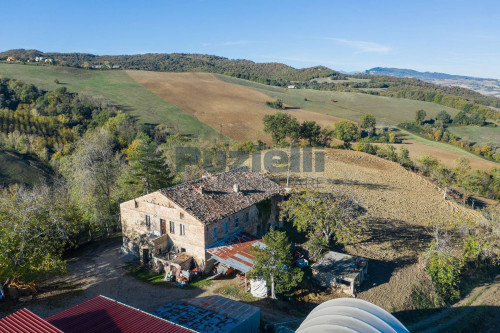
[[26, 321], [212, 198], [101, 314]]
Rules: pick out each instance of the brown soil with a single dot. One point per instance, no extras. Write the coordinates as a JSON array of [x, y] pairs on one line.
[[399, 206], [238, 109]]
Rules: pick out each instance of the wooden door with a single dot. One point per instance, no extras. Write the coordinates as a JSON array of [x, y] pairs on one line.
[[163, 225]]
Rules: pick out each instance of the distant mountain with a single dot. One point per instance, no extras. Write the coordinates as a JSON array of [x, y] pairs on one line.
[[268, 73], [489, 87]]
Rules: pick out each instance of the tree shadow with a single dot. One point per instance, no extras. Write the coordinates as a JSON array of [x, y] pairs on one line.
[[370, 186], [482, 318], [400, 236]]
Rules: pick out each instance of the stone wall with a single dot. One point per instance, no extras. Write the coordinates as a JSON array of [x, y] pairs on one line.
[[137, 235]]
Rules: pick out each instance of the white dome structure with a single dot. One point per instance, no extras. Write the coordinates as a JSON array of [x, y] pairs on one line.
[[350, 315]]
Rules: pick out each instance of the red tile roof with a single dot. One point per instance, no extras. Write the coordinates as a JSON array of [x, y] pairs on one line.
[[26, 321], [101, 314], [234, 251]]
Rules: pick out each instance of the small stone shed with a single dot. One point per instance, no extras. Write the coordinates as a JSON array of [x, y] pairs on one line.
[[340, 271]]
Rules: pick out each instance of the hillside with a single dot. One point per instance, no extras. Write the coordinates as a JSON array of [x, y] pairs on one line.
[[490, 87], [236, 107], [270, 73], [17, 168], [114, 86], [197, 104], [275, 74]]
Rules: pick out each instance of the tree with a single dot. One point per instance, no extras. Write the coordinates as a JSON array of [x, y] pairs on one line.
[[333, 214], [427, 164], [420, 117], [346, 131], [277, 104], [35, 226], [477, 119], [274, 263], [92, 173], [461, 119], [368, 122], [148, 168], [404, 158], [444, 177], [310, 131], [281, 125], [443, 117]]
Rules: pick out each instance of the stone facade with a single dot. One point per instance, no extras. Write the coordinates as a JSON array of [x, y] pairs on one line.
[[153, 225]]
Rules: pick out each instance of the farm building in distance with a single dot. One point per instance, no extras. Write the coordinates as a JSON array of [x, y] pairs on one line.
[[340, 271], [192, 217]]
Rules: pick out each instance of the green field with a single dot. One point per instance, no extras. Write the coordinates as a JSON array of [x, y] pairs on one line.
[[388, 111], [16, 168], [115, 86], [481, 136]]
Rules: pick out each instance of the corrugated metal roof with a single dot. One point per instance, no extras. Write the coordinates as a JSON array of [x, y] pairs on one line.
[[102, 314], [26, 321], [234, 251]]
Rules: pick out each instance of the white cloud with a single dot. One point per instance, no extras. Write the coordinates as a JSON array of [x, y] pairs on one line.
[[362, 46]]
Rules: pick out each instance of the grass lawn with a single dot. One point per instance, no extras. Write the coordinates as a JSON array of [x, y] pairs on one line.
[[481, 136], [388, 111], [113, 85], [437, 144]]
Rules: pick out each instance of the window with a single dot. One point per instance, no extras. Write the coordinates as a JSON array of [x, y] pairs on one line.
[[136, 204], [226, 227], [214, 233], [148, 221], [246, 217], [236, 222], [182, 229], [172, 227], [181, 215]]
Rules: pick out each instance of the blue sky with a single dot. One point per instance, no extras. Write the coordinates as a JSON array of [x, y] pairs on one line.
[[457, 37]]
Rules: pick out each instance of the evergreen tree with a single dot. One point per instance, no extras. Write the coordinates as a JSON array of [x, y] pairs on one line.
[[148, 168]]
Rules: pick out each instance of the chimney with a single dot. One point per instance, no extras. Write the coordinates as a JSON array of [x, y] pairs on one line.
[[236, 188], [200, 190]]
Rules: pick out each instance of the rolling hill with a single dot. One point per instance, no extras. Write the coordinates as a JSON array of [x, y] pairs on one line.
[[490, 87], [114, 86], [196, 104]]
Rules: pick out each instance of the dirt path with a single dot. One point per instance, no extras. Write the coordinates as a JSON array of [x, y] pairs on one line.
[[100, 270]]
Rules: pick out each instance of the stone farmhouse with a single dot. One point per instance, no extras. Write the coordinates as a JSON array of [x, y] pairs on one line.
[[191, 217]]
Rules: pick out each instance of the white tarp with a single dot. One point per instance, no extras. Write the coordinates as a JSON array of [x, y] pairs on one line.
[[258, 288]]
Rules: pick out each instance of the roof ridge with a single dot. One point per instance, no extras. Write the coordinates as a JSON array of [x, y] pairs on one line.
[[168, 321]]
